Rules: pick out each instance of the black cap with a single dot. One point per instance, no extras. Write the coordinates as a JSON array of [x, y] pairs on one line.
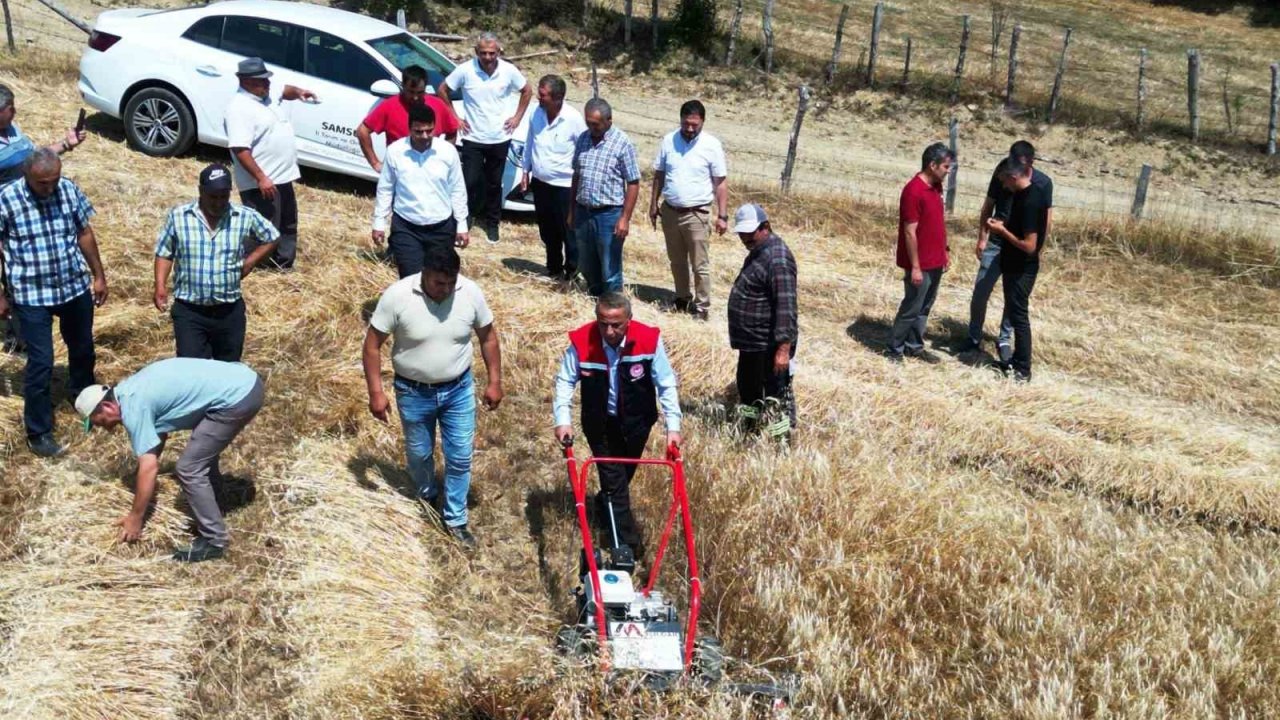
[[216, 177]]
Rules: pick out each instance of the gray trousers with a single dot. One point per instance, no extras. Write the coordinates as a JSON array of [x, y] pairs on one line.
[[198, 466], [913, 313]]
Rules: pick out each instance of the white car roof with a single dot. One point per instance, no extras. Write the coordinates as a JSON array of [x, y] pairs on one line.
[[331, 20]]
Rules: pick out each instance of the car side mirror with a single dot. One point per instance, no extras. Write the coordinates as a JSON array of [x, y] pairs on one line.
[[384, 88]]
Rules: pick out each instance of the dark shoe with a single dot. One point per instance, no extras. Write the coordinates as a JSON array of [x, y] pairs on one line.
[[45, 446], [569, 273], [491, 234], [464, 536], [683, 305], [925, 357], [1021, 378], [199, 551], [1002, 367], [893, 357], [700, 315], [969, 345]]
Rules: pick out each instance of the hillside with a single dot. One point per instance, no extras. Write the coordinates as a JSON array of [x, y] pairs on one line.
[[937, 543]]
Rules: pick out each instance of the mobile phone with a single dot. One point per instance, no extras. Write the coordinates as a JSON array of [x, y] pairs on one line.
[[80, 122]]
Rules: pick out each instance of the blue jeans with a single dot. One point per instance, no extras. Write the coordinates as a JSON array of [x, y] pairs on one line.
[[599, 252], [35, 327], [453, 405], [988, 276]]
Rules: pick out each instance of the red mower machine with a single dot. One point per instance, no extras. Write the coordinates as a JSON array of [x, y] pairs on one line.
[[626, 627]]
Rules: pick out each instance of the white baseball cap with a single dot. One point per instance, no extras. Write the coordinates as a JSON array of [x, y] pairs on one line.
[[749, 218], [88, 400]]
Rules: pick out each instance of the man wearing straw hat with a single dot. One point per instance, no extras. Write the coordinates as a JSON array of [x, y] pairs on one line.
[[265, 152], [625, 375], [214, 400], [210, 245]]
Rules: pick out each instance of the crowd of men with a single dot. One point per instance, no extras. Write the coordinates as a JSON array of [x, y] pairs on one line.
[[584, 175]]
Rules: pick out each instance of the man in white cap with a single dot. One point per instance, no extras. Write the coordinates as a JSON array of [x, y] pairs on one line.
[[214, 400], [265, 152], [763, 325], [209, 246]]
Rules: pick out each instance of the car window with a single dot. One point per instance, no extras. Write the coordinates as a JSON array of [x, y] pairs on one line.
[[206, 31], [331, 58], [275, 42], [404, 50]]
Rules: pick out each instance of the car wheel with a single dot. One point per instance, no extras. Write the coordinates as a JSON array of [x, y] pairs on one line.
[[159, 123]]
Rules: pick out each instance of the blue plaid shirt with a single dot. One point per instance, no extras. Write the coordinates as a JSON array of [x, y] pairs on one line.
[[604, 169], [40, 239], [207, 266]]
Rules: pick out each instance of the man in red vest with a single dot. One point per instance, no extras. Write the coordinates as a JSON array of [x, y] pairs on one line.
[[625, 375]]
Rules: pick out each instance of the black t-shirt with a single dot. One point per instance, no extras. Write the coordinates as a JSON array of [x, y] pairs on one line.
[[1028, 213], [1003, 199]]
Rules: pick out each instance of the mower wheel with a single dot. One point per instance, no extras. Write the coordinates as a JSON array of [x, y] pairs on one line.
[[575, 642], [708, 660]]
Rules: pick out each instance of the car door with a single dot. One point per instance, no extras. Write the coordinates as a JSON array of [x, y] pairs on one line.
[[340, 73], [208, 77]]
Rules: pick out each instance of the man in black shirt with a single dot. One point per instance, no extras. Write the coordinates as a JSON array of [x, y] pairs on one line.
[[997, 205], [1023, 237]]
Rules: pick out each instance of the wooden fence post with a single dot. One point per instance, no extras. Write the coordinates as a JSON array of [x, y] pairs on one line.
[[877, 18], [835, 50], [803, 108], [1275, 107], [653, 23], [1140, 195], [964, 50], [1193, 92], [733, 31], [1013, 65], [768, 37], [954, 132], [13, 49], [586, 13], [626, 22], [595, 81], [906, 65], [1057, 79], [1142, 89]]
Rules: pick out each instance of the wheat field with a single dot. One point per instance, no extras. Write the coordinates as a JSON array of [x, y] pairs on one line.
[[937, 542]]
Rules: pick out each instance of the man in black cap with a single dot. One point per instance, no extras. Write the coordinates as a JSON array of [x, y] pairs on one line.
[[265, 152], [209, 246]]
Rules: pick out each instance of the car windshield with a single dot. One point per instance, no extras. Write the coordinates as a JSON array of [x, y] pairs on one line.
[[404, 50]]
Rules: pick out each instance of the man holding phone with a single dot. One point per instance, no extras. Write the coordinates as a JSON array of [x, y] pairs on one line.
[[50, 257]]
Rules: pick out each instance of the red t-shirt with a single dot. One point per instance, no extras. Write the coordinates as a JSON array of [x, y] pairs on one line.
[[921, 203], [391, 116]]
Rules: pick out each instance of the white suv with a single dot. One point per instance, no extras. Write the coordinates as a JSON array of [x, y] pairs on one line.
[[170, 73]]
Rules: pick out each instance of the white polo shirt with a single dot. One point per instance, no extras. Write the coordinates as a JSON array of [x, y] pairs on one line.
[[263, 126], [424, 188], [431, 342], [548, 149], [484, 98], [689, 167]]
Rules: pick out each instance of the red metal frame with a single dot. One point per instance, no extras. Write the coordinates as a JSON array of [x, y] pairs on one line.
[[679, 506]]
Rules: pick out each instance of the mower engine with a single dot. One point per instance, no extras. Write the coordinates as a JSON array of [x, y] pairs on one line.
[[644, 633]]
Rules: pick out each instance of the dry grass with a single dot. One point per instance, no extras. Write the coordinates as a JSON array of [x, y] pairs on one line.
[[937, 543]]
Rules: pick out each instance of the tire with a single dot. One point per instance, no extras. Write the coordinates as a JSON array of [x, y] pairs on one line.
[[158, 122], [708, 660]]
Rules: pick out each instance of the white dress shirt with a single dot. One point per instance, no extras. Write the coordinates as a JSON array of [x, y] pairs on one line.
[[422, 187], [263, 126], [548, 150], [484, 98], [664, 379], [689, 167]]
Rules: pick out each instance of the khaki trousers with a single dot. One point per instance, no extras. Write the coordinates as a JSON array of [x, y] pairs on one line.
[[688, 237]]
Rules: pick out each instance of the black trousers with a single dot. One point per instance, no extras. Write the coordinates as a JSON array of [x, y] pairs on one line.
[[757, 381], [283, 213], [210, 332], [615, 482], [408, 242], [1018, 284], [482, 168], [551, 206]]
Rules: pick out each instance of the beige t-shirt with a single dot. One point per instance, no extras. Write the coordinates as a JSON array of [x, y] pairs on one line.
[[431, 342]]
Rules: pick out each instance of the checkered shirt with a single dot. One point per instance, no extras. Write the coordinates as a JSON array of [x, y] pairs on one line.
[[43, 265], [604, 170], [207, 267]]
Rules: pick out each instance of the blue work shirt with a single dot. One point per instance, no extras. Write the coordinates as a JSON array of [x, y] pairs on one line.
[[14, 150], [176, 394], [664, 378]]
